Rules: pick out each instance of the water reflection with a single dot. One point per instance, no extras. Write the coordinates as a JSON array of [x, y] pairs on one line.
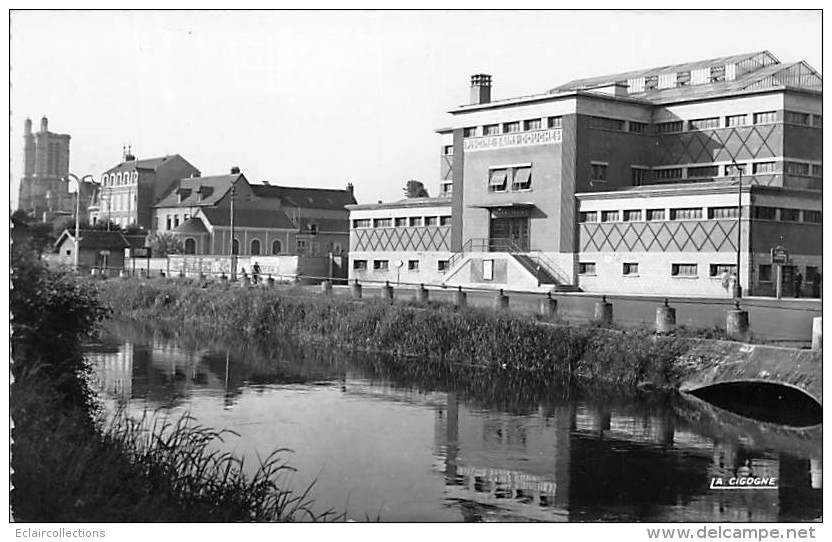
[[411, 441]]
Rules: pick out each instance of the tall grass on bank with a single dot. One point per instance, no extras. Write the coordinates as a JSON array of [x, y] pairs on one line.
[[65, 468], [470, 336]]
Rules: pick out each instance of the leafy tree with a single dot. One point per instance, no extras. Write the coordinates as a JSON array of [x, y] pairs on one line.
[[164, 243], [42, 239], [21, 215], [62, 223], [133, 229]]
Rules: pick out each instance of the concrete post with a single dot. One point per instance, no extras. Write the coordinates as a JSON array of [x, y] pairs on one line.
[[460, 298], [817, 333], [422, 294], [355, 290], [500, 301], [736, 324], [549, 307], [326, 287], [603, 311], [387, 292], [665, 318]]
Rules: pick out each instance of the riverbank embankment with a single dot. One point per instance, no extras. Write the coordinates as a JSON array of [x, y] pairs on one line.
[[430, 331], [69, 464]]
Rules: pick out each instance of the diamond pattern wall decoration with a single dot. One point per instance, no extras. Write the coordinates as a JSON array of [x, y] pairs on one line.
[[682, 236], [428, 238], [724, 144]]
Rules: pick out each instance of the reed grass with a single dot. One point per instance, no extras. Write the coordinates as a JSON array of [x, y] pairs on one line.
[[67, 465]]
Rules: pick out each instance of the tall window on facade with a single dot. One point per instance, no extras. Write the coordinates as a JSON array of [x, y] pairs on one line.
[[764, 273], [688, 213], [190, 246], [301, 246], [603, 123], [469, 132], [684, 269], [764, 167], [765, 117], [400, 221], [532, 124], [448, 149], [637, 127], [588, 216], [639, 175], [415, 221], [497, 180], [255, 247], [632, 215], [669, 173], [812, 216], [700, 172], [796, 168], [412, 265], [735, 120], [555, 122], [609, 216], [511, 127], [704, 124], [277, 247], [670, 127], [790, 215], [732, 171], [586, 268], [655, 214], [491, 129], [716, 213], [431, 221], [235, 246], [598, 171], [764, 213], [793, 117], [167, 222], [720, 269], [522, 178]]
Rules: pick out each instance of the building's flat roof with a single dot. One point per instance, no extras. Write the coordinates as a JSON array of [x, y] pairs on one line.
[[440, 201]]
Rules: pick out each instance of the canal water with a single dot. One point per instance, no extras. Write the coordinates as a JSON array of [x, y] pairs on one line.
[[425, 443]]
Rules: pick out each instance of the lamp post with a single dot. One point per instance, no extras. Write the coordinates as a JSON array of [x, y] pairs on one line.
[[78, 182], [231, 251], [737, 286]]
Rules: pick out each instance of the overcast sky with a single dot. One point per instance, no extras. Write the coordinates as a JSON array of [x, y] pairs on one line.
[[323, 98]]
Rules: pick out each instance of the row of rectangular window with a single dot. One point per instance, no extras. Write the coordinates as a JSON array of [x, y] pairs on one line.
[[731, 121], [384, 265], [676, 269], [696, 213], [528, 125], [119, 179], [619, 125], [402, 222], [641, 174], [765, 273]]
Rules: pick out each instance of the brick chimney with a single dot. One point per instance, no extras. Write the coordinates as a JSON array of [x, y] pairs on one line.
[[480, 88]]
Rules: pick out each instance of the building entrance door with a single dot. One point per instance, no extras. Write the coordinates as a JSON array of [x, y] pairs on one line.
[[515, 230]]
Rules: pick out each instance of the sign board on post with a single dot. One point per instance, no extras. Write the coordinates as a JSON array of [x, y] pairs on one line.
[[779, 255]]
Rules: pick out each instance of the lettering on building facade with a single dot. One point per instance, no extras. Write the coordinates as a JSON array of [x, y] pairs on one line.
[[520, 139]]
